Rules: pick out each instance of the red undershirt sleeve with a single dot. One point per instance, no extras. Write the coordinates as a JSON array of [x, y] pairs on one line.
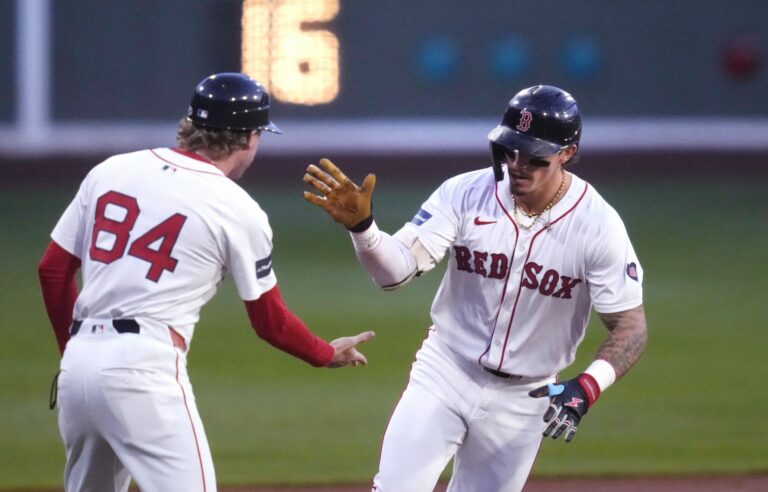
[[57, 270], [279, 327]]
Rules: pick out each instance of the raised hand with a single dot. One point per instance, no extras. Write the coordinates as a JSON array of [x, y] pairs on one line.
[[346, 202]]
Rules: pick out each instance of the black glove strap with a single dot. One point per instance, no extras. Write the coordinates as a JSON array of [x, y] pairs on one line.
[[363, 225]]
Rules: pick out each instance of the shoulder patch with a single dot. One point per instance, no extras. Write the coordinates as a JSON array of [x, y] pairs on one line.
[[264, 266], [421, 217], [632, 271]]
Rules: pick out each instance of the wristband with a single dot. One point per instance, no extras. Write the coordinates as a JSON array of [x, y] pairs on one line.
[[367, 239], [590, 387], [603, 372], [362, 225]]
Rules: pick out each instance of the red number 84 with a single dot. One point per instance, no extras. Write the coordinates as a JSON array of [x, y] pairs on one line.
[[167, 232]]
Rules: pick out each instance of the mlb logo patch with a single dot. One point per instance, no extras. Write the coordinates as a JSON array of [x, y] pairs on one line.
[[632, 271], [421, 217], [202, 113]]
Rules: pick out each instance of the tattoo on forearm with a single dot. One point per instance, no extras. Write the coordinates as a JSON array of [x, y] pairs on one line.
[[627, 340]]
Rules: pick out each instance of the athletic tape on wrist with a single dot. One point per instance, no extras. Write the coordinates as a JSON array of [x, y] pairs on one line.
[[603, 372], [367, 239]]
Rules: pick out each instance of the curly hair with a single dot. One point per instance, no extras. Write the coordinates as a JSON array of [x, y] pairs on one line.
[[217, 143]]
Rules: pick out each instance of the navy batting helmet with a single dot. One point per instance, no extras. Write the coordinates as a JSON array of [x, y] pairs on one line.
[[231, 101], [539, 121]]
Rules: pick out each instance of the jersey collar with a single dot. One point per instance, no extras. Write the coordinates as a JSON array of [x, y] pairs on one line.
[[185, 159], [569, 199], [192, 155]]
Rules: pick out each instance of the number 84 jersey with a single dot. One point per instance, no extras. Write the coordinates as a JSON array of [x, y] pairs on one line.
[[156, 230], [518, 300]]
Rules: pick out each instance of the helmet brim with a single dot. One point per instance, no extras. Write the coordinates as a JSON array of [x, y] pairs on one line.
[[525, 144], [271, 127]]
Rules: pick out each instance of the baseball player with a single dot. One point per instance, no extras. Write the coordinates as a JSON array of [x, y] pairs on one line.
[[155, 232], [532, 248]]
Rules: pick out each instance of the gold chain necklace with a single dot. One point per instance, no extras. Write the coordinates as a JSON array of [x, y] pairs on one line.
[[536, 215]]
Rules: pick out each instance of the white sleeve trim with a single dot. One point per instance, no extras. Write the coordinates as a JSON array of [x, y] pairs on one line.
[[424, 259], [617, 308]]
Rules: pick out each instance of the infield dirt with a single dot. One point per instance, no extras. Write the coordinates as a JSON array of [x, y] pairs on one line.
[[734, 483]]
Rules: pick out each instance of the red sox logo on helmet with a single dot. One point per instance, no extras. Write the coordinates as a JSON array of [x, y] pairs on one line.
[[525, 121]]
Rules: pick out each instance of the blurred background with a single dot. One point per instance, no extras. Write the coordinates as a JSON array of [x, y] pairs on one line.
[[675, 113]]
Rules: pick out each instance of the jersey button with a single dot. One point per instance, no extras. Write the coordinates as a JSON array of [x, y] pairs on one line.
[[497, 342]]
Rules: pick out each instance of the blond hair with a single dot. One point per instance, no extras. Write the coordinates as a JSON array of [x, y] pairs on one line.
[[216, 143]]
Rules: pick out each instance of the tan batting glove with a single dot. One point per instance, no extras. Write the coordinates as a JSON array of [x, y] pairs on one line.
[[346, 203], [346, 353]]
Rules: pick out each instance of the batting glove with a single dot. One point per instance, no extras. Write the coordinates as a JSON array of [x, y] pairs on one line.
[[346, 203], [568, 402]]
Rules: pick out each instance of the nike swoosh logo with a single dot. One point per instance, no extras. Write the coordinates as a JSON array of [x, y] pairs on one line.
[[483, 222]]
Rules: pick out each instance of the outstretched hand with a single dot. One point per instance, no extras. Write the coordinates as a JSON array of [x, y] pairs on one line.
[[342, 199], [346, 350]]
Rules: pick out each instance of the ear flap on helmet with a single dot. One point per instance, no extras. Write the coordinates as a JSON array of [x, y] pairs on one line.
[[498, 155]]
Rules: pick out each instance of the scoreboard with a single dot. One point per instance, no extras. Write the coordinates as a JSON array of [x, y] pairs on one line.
[[367, 59]]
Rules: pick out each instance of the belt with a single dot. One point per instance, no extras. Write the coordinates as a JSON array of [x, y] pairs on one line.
[[131, 326], [120, 326], [500, 374]]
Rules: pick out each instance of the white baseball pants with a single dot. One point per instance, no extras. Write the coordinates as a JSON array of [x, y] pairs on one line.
[[126, 410], [452, 407]]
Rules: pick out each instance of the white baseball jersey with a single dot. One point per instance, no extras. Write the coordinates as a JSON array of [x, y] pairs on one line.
[[156, 231], [518, 300]]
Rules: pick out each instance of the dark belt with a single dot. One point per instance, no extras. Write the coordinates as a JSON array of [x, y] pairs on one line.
[[500, 374], [120, 326]]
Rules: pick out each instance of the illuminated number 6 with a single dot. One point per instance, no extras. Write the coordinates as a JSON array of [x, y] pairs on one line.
[[298, 65]]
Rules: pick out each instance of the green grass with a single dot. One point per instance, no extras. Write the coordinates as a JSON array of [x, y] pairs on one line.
[[694, 404]]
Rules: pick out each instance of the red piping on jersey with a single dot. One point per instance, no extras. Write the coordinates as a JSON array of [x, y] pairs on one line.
[[506, 280], [520, 285], [187, 168], [192, 423]]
